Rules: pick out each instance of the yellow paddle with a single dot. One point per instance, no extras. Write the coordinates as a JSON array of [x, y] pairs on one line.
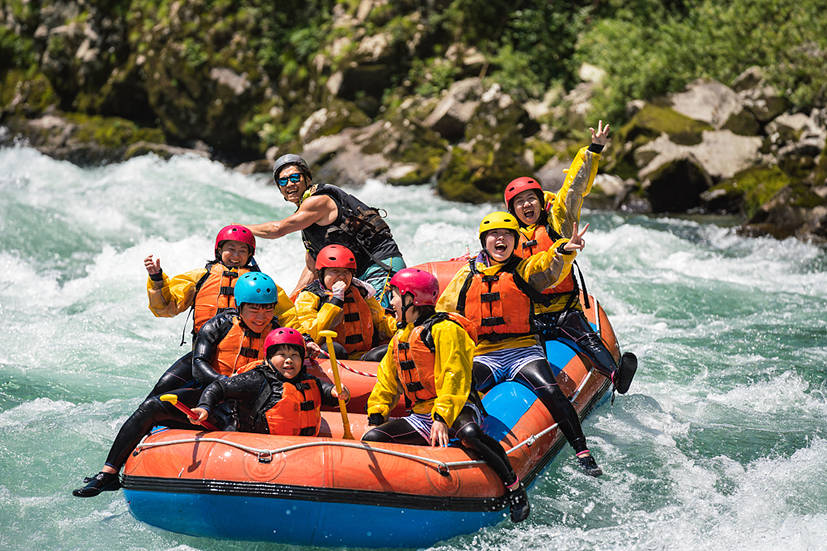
[[328, 336]]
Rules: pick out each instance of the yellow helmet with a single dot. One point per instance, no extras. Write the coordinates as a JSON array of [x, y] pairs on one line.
[[499, 221]]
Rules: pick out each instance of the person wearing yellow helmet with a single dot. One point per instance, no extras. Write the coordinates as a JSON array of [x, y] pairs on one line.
[[497, 291]]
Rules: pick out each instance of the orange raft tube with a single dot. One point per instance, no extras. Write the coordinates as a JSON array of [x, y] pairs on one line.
[[335, 492]]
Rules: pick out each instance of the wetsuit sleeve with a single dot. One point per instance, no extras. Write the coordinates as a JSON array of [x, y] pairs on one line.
[[313, 319], [547, 268], [454, 356], [382, 321], [565, 209], [286, 311], [326, 390], [385, 392], [244, 387], [172, 295], [448, 299], [206, 348]]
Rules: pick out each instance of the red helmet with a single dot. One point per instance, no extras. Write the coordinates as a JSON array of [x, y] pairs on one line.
[[335, 256], [284, 335], [238, 233], [422, 285], [519, 185]]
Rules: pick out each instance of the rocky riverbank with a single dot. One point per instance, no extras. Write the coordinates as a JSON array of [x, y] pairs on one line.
[[93, 85]]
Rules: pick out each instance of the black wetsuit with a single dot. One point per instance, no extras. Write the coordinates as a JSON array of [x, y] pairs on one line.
[[255, 392], [538, 377]]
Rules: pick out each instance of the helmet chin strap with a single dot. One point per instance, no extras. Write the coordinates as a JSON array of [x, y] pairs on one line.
[[405, 308]]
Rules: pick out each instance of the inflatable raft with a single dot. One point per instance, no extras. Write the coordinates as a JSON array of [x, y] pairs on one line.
[[333, 492]]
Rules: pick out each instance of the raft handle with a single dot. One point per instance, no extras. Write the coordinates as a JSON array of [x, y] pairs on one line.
[[443, 469], [265, 457]]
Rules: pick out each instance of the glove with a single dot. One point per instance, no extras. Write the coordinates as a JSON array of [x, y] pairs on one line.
[[375, 419]]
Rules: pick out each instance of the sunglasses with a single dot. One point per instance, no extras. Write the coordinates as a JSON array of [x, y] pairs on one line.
[[295, 178]]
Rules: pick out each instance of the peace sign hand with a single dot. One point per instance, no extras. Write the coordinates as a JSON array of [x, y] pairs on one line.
[[601, 136], [576, 243]]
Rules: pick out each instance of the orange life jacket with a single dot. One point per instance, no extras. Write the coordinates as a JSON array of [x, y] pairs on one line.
[[500, 305], [414, 359], [214, 292], [239, 347], [543, 239], [355, 332], [298, 412]]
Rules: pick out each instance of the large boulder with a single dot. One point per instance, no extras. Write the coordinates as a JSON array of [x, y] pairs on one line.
[[706, 100], [746, 191], [795, 211], [454, 111]]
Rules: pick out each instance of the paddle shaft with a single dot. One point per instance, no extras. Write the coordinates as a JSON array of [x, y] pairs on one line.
[[187, 411], [331, 352]]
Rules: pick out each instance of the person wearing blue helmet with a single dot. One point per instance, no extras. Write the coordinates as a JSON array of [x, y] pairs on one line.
[[228, 341]]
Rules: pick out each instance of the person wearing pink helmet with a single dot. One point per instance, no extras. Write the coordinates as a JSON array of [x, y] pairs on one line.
[[337, 301], [205, 291], [272, 395], [545, 217], [429, 361]]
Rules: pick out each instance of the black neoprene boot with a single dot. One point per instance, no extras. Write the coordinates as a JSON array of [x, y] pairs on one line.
[[518, 503], [625, 373], [587, 464], [101, 482]]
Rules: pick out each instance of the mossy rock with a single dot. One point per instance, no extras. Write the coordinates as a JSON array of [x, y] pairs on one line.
[[480, 175], [27, 92], [542, 150], [753, 187], [653, 120], [111, 132]]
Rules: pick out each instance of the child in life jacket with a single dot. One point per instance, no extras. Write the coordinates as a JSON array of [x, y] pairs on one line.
[[545, 217], [205, 291], [429, 360], [227, 342], [497, 291], [275, 395], [337, 301]]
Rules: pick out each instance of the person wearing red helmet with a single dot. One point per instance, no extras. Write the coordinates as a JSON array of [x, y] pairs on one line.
[[336, 300], [273, 395], [429, 361], [327, 214], [545, 217], [205, 291]]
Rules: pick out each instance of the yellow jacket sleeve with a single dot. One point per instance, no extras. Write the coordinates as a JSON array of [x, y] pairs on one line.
[[566, 204], [547, 268], [311, 318], [386, 391], [383, 322], [286, 311], [452, 369], [172, 295]]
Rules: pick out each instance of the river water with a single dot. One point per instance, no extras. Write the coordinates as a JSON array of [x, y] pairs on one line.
[[721, 442]]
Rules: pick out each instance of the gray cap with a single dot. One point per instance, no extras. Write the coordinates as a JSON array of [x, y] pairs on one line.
[[287, 160]]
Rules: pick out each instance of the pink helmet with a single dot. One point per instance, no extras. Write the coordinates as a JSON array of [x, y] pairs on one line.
[[284, 335], [519, 185], [422, 285], [234, 232]]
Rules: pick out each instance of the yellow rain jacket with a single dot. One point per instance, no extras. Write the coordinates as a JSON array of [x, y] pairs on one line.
[[567, 202], [173, 295], [541, 270], [454, 355], [316, 315]]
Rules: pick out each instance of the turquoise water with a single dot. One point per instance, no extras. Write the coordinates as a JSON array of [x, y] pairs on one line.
[[720, 444]]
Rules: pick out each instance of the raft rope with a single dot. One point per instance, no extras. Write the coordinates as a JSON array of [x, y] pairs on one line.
[[266, 455]]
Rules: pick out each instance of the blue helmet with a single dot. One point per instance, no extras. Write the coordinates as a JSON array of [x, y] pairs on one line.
[[255, 288]]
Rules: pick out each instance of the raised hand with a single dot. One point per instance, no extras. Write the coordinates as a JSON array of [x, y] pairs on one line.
[[576, 243], [601, 136], [153, 266]]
